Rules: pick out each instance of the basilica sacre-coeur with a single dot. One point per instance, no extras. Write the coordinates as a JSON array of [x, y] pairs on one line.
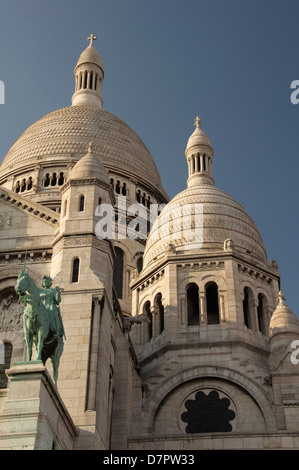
[[168, 345]]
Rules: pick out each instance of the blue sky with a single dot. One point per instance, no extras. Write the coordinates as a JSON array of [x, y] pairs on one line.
[[166, 61]]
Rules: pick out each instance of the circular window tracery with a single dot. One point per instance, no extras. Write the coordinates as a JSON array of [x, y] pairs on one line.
[[208, 413]]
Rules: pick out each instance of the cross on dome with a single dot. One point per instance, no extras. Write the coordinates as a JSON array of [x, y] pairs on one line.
[[197, 122], [91, 38]]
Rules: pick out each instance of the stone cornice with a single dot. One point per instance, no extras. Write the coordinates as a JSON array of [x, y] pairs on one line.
[[205, 261], [28, 207]]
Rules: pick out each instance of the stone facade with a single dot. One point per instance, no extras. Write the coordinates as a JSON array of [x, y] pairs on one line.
[[172, 342]]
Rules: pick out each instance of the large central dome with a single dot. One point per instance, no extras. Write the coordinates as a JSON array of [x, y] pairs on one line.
[[65, 134], [48, 149]]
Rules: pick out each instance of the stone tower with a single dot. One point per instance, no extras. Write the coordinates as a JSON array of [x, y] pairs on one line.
[[209, 292]]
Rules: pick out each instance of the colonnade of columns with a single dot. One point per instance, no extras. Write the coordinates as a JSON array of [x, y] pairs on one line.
[[200, 163], [87, 79]]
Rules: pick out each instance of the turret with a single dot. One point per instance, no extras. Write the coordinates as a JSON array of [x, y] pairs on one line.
[[199, 154], [89, 74]]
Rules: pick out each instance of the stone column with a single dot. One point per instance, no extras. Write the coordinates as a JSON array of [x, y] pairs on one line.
[[155, 326], [221, 307], [88, 80], [201, 163], [202, 307]]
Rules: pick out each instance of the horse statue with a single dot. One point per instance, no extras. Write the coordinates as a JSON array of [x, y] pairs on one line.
[[42, 321]]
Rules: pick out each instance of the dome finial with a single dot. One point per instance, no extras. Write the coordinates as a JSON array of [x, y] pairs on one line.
[[199, 154], [91, 38], [281, 298], [197, 123], [90, 147], [89, 75]]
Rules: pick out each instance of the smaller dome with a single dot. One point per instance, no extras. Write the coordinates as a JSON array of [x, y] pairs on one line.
[[283, 319], [90, 56], [90, 166], [198, 138]]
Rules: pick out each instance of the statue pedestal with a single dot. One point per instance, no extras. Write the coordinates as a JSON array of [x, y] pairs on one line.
[[34, 416]]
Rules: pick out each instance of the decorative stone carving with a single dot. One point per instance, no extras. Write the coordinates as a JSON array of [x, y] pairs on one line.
[[228, 244], [11, 311], [4, 220]]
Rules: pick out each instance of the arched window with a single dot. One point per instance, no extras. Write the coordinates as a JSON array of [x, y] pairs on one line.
[[139, 264], [75, 272], [23, 187], [147, 311], [7, 360], [54, 180], [81, 203], [29, 186], [246, 307], [118, 272], [212, 303], [192, 305], [117, 187], [159, 313], [47, 180], [261, 313], [124, 189], [61, 179]]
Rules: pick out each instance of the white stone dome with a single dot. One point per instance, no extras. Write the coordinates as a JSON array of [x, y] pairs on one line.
[[223, 219], [64, 135], [90, 56], [89, 166], [283, 319]]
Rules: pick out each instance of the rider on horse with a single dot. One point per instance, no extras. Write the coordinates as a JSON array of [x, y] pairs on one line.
[[51, 299]]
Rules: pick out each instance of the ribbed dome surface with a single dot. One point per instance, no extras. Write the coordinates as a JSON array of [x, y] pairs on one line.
[[223, 218], [90, 55], [66, 133]]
